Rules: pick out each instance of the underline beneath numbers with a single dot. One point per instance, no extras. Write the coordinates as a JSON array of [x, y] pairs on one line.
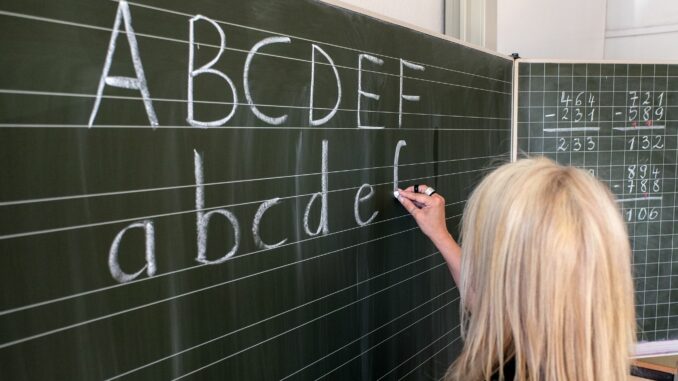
[[639, 199], [527, 122], [603, 151], [617, 136], [639, 128], [571, 129]]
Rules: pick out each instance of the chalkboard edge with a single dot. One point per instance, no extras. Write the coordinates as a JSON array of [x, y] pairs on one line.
[[656, 348], [514, 111], [601, 61]]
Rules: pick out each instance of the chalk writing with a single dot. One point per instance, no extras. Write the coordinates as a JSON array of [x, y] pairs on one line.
[[139, 83], [116, 271]]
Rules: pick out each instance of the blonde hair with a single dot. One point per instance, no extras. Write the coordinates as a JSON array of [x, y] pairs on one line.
[[546, 272]]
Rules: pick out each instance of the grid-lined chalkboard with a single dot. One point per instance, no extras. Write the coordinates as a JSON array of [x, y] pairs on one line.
[[620, 122], [154, 227]]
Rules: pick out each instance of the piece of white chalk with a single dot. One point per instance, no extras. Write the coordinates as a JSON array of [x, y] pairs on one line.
[[396, 194]]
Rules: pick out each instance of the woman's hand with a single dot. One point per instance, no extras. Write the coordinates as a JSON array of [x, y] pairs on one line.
[[428, 211]]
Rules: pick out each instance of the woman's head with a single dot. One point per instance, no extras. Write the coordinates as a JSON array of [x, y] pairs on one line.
[[546, 273]]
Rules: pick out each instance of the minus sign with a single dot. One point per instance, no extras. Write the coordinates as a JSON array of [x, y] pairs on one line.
[[618, 113], [616, 186], [550, 115]]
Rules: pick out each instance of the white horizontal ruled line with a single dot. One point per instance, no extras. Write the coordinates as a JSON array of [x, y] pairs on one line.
[[395, 334], [653, 304], [226, 128], [640, 199], [181, 270], [228, 182], [647, 236], [596, 91], [220, 103], [533, 153], [310, 40], [283, 313], [659, 127], [122, 312], [385, 340], [653, 277], [170, 214], [176, 40], [432, 356], [571, 129], [139, 307], [325, 315], [568, 122], [616, 136], [364, 336], [419, 351]]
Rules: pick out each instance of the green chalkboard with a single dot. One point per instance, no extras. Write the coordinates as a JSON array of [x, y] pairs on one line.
[[155, 226], [618, 121]]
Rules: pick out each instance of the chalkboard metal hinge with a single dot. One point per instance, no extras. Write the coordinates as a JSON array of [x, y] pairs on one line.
[[514, 108]]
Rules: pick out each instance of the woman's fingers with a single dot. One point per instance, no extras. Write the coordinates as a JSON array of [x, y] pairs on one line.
[[408, 205], [422, 188], [416, 197]]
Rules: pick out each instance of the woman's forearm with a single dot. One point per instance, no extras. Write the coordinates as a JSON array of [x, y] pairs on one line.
[[429, 212], [451, 252]]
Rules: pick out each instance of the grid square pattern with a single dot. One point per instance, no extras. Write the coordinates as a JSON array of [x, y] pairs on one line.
[[615, 120]]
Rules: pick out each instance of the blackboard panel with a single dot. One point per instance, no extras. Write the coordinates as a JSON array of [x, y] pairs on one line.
[[618, 121], [353, 302]]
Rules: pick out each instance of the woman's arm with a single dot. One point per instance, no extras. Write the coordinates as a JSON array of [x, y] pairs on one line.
[[429, 213]]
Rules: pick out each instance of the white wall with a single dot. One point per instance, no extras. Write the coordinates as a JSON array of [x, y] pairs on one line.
[[426, 14], [642, 30], [568, 29], [565, 29]]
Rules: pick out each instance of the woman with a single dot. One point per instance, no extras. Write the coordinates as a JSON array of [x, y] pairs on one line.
[[545, 275]]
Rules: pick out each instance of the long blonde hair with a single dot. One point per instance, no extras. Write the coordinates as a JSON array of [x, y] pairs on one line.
[[545, 277]]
